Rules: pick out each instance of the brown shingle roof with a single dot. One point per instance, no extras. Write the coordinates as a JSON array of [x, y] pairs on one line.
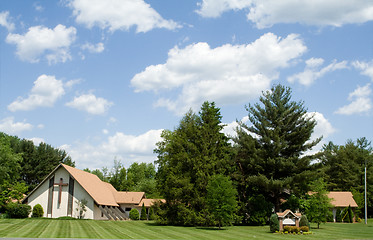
[[342, 199], [96, 188], [150, 202]]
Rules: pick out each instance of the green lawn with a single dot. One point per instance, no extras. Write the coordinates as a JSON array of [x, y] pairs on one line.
[[54, 228]]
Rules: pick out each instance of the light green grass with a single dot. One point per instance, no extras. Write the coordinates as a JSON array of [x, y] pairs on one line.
[[54, 228]]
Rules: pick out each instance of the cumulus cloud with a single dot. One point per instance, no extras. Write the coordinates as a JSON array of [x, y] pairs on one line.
[[93, 48], [312, 71], [5, 21], [119, 15], [266, 13], [90, 104], [124, 147], [365, 67], [226, 74], [39, 42], [10, 127], [360, 101], [45, 92]]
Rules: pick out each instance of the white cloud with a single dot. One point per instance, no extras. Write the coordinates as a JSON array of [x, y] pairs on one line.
[[230, 129], [90, 104], [312, 72], [226, 74], [45, 92], [40, 41], [365, 67], [265, 13], [360, 101], [37, 141], [10, 127], [92, 48], [127, 148], [119, 15], [323, 129], [214, 8], [5, 22]]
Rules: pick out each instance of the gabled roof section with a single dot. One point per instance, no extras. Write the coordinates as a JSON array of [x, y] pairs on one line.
[[287, 212], [129, 197], [96, 188], [342, 199], [150, 202]]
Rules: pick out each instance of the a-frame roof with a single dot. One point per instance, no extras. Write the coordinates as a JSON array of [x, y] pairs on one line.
[[103, 193], [96, 188]]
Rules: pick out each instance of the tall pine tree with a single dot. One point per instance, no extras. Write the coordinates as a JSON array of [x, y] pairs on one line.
[[270, 151]]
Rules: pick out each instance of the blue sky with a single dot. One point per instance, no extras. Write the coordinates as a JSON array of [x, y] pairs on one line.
[[102, 79]]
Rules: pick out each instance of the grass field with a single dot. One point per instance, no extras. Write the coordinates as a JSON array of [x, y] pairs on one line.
[[54, 228]]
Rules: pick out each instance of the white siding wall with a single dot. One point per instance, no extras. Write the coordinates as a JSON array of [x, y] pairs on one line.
[[40, 196], [80, 194]]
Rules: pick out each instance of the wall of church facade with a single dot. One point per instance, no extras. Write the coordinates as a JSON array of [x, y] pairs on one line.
[[60, 209], [40, 196], [79, 194]]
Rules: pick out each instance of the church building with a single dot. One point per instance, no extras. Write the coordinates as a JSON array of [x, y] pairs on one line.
[[65, 187]]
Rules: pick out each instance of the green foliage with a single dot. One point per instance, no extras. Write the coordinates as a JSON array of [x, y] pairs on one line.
[[29, 163], [259, 210], [344, 169], [338, 216], [152, 215], [187, 157], [347, 215], [274, 224], [17, 210], [291, 229], [134, 214], [9, 162], [221, 199], [270, 151], [303, 222], [37, 211], [143, 215], [11, 191], [319, 203]]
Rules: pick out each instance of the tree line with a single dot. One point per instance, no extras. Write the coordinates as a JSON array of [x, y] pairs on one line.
[[23, 165], [269, 164], [208, 178]]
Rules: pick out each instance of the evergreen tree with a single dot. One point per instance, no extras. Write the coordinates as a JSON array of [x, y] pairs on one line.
[[143, 215], [187, 157], [343, 167], [270, 152]]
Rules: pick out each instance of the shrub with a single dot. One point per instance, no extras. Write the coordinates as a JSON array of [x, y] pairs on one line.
[[291, 229], [37, 211], [134, 214], [274, 224], [143, 215], [338, 216], [350, 215], [151, 214], [304, 229], [16, 210], [304, 221]]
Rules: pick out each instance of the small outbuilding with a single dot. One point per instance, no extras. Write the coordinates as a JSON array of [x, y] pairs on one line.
[[342, 200], [288, 218]]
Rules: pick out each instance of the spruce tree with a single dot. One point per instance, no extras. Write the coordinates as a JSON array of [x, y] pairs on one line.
[[187, 157], [143, 215]]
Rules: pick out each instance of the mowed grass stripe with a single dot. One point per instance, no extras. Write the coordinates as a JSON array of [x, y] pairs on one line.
[[129, 229], [107, 230], [35, 228], [57, 228]]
